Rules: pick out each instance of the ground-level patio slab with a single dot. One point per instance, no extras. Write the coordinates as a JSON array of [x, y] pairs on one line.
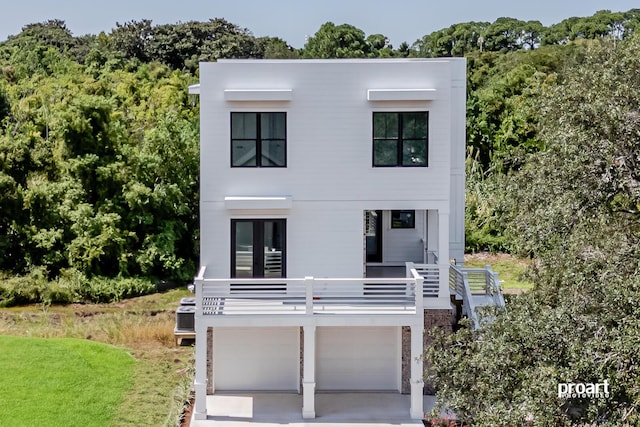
[[332, 410]]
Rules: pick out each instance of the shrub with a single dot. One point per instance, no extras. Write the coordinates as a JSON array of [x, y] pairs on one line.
[[72, 286]]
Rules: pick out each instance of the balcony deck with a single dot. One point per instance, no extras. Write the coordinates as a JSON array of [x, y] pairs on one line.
[[387, 292]]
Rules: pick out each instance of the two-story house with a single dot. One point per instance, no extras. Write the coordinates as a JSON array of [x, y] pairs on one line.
[[332, 204]]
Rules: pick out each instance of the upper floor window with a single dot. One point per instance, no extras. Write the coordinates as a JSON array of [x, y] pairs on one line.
[[258, 139], [401, 139]]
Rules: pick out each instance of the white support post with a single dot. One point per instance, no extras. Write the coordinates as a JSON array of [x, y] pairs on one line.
[[432, 236], [200, 382], [443, 250], [309, 373], [417, 383]]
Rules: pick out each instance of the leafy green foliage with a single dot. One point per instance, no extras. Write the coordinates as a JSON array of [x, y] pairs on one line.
[[98, 165], [575, 206], [72, 286], [347, 41]]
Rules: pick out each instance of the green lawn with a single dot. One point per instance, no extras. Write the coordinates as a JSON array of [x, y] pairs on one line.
[[510, 269], [61, 381]]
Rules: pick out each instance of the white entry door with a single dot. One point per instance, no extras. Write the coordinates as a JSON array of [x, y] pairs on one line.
[[358, 358], [261, 359]]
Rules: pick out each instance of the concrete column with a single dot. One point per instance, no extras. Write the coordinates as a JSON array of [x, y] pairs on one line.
[[417, 372], [309, 373], [200, 382]]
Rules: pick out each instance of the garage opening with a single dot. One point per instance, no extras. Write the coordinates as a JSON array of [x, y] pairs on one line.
[[358, 358], [256, 359]]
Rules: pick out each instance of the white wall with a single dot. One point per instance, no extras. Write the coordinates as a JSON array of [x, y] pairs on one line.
[[403, 244], [329, 173]]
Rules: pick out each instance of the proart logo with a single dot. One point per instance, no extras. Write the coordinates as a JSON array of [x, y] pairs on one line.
[[584, 390]]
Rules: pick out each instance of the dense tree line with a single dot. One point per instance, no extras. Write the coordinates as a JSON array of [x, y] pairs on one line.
[[99, 180]]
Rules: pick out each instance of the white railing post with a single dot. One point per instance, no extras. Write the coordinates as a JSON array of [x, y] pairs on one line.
[[443, 281], [418, 283], [308, 287], [488, 276]]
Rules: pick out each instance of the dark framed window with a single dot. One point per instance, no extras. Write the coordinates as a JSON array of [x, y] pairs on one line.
[[403, 219], [259, 139], [401, 139]]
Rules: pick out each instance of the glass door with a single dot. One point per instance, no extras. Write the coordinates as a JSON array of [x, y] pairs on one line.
[[258, 248]]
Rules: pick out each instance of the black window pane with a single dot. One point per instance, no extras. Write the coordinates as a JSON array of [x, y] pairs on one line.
[[385, 152], [385, 125], [403, 219], [414, 125], [273, 153], [414, 153], [243, 153], [244, 249], [243, 126], [273, 125], [273, 248]]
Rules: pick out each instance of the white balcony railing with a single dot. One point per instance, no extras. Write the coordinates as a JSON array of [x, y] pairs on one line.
[[311, 296]]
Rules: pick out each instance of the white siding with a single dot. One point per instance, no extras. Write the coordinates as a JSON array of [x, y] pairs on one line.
[[329, 175], [403, 244]]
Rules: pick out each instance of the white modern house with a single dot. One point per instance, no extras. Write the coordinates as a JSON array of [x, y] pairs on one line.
[[332, 210]]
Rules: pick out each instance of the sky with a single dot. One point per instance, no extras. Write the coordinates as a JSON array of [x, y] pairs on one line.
[[292, 20]]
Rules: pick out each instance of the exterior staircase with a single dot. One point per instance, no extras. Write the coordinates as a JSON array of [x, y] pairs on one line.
[[474, 288]]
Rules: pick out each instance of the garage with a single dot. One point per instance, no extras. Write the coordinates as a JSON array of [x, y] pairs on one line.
[[256, 359], [358, 358]]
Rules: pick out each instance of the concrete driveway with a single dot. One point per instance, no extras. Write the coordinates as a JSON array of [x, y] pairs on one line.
[[332, 410]]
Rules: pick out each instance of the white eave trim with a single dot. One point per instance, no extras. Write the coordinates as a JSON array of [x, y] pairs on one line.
[[401, 94], [194, 89], [258, 202], [258, 94]]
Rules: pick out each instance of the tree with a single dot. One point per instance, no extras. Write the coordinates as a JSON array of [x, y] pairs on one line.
[[275, 48], [504, 35], [131, 39], [456, 40], [576, 207], [331, 41]]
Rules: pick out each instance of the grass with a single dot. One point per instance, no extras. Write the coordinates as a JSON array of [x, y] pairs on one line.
[[71, 382], [141, 327], [511, 270]]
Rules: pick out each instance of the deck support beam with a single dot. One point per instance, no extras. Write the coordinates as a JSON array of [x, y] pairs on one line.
[[200, 382], [309, 373], [417, 382], [443, 250]]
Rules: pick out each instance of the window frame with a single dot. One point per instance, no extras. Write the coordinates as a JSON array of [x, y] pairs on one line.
[[399, 140], [258, 139], [401, 226]]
